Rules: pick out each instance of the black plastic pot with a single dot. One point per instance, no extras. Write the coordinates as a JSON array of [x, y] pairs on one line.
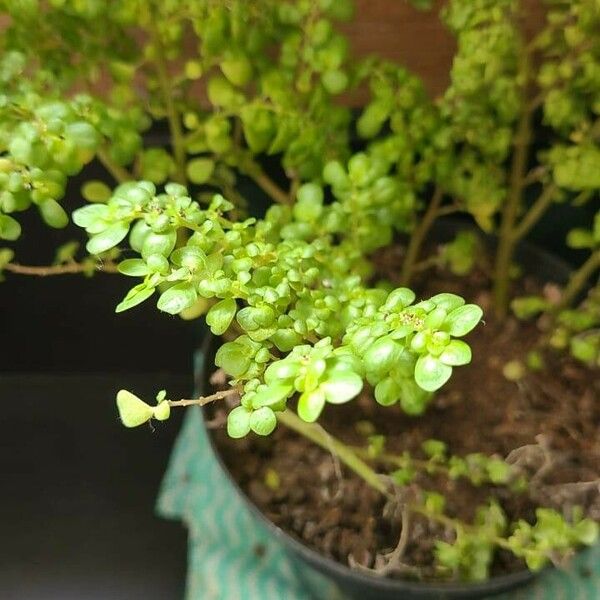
[[311, 567]]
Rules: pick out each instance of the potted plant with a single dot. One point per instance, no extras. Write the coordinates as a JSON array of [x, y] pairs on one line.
[[342, 293]]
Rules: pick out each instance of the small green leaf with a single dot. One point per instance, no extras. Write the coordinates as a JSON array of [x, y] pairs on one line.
[[526, 307], [96, 191], [456, 353], [132, 410], [66, 253], [177, 298], [162, 411], [281, 370], [387, 392], [271, 395], [220, 316], [238, 422], [135, 296], [431, 373], [400, 298], [587, 532], [6, 255], [310, 405], [263, 421], [381, 355], [447, 301], [341, 386], [233, 358], [9, 228], [200, 170], [53, 214], [463, 319], [134, 267], [108, 238], [91, 215], [434, 448]]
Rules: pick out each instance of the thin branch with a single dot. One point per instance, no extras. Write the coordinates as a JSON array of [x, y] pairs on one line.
[[535, 212], [418, 236], [578, 280], [66, 269], [205, 399], [119, 173], [268, 185], [166, 88], [506, 245], [319, 436]]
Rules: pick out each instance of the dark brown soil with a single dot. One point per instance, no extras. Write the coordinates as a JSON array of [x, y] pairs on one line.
[[555, 413]]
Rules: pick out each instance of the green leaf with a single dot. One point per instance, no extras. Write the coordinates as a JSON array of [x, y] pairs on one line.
[[177, 298], [200, 170], [580, 238], [311, 404], [263, 421], [6, 255], [107, 239], [434, 448], [220, 316], [341, 386], [238, 422], [586, 532], [162, 411], [88, 215], [447, 301], [456, 353], [134, 267], [132, 410], [526, 307], [9, 228], [233, 358], [272, 395], [135, 296], [66, 253], [381, 355], [281, 370], [387, 392], [96, 191], [400, 298], [431, 373], [463, 319], [53, 214]]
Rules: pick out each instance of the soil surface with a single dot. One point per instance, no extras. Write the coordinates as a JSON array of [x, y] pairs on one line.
[[551, 416]]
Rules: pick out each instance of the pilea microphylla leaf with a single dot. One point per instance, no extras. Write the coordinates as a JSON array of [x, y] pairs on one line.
[[133, 411]]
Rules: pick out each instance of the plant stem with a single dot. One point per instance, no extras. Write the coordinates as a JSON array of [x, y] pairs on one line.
[[418, 236], [119, 173], [578, 280], [535, 212], [507, 241], [67, 269], [268, 185], [166, 86], [204, 399], [319, 436]]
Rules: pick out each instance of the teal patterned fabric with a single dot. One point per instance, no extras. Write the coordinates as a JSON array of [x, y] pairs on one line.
[[232, 557]]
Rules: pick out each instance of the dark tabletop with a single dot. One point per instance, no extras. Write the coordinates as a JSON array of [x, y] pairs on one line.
[[78, 491]]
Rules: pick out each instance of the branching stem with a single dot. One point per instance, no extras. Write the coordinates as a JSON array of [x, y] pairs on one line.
[[322, 438], [119, 173], [203, 400], [66, 269], [166, 87], [418, 236], [578, 280]]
